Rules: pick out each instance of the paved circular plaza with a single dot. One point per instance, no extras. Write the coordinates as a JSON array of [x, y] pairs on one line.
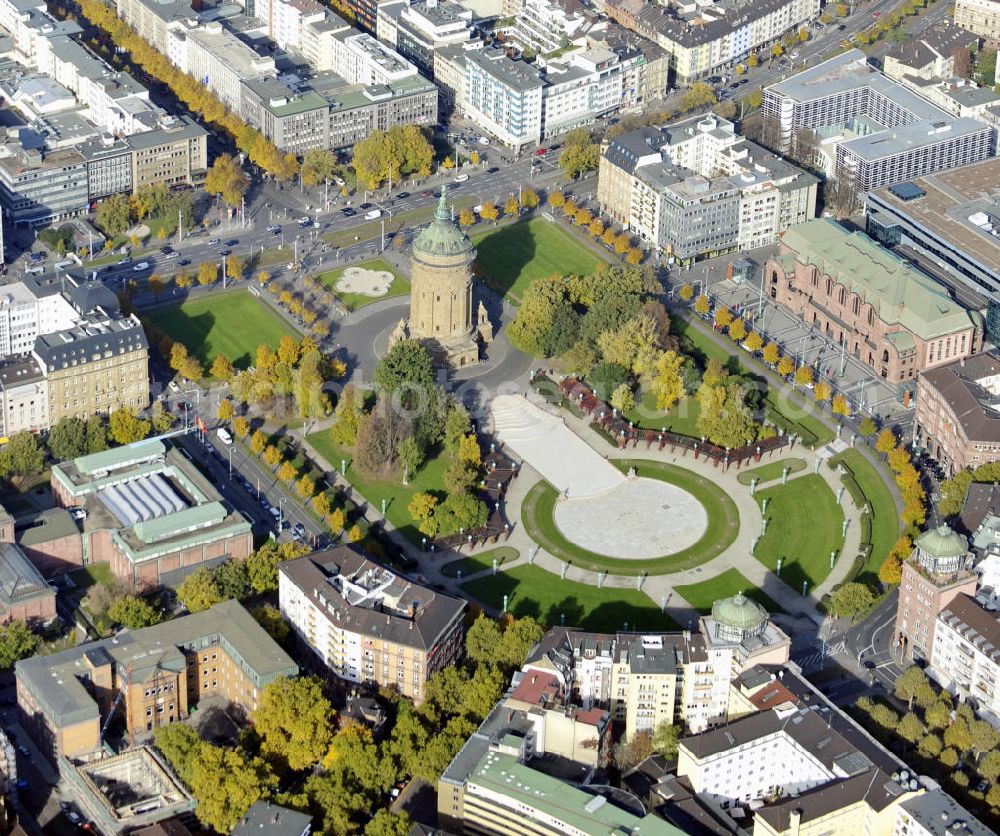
[[638, 518]]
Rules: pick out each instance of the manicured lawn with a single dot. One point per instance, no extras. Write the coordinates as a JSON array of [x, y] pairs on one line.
[[723, 524], [353, 301], [703, 594], [542, 595], [470, 565], [885, 522], [396, 495], [274, 255], [233, 324], [512, 257], [771, 471], [682, 419], [804, 524]]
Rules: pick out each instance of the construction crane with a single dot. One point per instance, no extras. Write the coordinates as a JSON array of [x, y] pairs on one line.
[[117, 702]]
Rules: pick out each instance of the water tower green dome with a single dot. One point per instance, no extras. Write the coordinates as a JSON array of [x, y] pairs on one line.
[[942, 541], [442, 237], [740, 613]]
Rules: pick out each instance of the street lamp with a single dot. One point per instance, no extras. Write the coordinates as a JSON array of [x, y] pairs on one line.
[[281, 516], [230, 462]]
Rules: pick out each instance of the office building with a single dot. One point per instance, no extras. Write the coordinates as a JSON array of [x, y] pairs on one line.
[[150, 514], [696, 188], [981, 17], [951, 218], [966, 654], [939, 569], [887, 314], [24, 593], [162, 672], [705, 38], [417, 30], [39, 187], [176, 154], [872, 130], [367, 623], [957, 419]]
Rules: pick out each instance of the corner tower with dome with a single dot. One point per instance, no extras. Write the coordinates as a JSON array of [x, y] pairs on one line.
[[441, 297]]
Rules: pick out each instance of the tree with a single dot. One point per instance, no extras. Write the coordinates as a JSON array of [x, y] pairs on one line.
[[270, 618], [841, 405], [225, 410], [913, 686], [723, 316], [227, 179], [633, 751], [389, 155], [700, 95], [957, 735], [804, 375], [529, 198], [891, 571], [948, 757], [512, 207], [771, 353], [305, 487], [963, 61], [910, 728], [258, 442], [227, 782], [851, 599], [222, 368], [133, 612], [930, 746], [489, 211], [982, 737], [665, 738], [272, 455], [786, 365], [737, 330], [180, 745], [287, 472], [295, 722], [886, 441], [581, 153], [753, 60], [198, 591], [347, 414], [622, 398], [208, 272], [318, 166], [557, 198], [989, 766], [232, 579], [406, 365], [114, 214], [355, 534], [21, 456], [667, 384], [938, 713], [262, 565], [156, 285], [702, 305], [867, 427], [385, 823], [466, 217], [234, 266], [68, 438], [17, 642], [125, 427]]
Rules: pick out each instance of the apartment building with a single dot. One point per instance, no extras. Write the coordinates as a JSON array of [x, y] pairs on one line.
[[872, 130], [360, 59], [887, 314], [981, 17], [957, 419], [928, 55], [285, 20], [24, 593], [935, 813], [417, 30], [148, 513], [966, 654], [161, 671], [695, 188], [547, 26], [951, 218], [24, 396], [707, 37], [368, 624], [939, 569], [503, 96], [153, 19]]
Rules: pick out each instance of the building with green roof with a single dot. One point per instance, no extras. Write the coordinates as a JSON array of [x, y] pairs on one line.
[[148, 512], [890, 315]]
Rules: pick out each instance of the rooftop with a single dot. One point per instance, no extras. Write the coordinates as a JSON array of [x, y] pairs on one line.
[[20, 581], [518, 75], [57, 680], [914, 135], [940, 815], [265, 817], [975, 408], [976, 624], [350, 589], [900, 294]]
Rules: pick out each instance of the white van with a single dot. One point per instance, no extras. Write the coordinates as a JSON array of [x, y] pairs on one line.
[[375, 214], [461, 178], [224, 436]]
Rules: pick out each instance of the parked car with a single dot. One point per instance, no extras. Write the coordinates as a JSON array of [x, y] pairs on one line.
[[184, 262], [232, 242], [213, 241], [171, 255], [541, 152], [142, 265], [461, 178], [225, 251], [402, 196]]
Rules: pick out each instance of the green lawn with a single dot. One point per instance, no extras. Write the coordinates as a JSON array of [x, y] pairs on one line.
[[353, 301], [89, 575], [274, 255], [723, 524], [771, 471], [513, 256], [233, 324], [470, 565], [682, 419], [804, 525], [396, 495], [703, 594], [885, 522], [542, 595]]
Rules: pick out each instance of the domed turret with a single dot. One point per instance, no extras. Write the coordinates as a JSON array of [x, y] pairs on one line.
[[738, 618], [442, 237], [942, 550]]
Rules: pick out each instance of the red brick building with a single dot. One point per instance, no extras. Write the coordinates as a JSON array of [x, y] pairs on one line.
[[24, 594], [939, 569], [889, 315]]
